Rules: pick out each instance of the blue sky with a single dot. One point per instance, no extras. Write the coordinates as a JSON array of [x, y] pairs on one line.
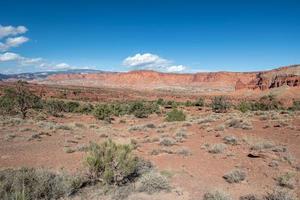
[[165, 35]]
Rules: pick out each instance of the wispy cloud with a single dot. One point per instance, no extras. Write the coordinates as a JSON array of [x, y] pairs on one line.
[[151, 62], [11, 30], [7, 42]]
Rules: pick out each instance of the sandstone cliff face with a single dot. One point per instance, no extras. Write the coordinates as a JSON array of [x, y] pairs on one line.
[[205, 82]]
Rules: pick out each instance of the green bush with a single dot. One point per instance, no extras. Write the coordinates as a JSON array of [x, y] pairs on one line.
[[244, 106], [19, 100], [220, 104], [296, 105], [29, 183], [112, 163], [265, 103], [71, 106], [199, 102], [175, 115], [103, 112], [85, 108], [7, 104], [54, 107]]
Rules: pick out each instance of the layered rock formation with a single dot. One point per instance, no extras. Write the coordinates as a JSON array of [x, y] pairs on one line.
[[198, 82]]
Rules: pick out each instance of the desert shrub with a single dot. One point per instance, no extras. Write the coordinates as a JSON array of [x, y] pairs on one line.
[[295, 106], [280, 195], [286, 180], [54, 107], [175, 115], [85, 108], [262, 144], [216, 195], [188, 103], [119, 109], [138, 109], [249, 197], [166, 141], [199, 102], [160, 101], [71, 106], [235, 176], [19, 99], [153, 182], [29, 183], [217, 148], [219, 104], [244, 106], [103, 112], [112, 163], [230, 140], [7, 104]]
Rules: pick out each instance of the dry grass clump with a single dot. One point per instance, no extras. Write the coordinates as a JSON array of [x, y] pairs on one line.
[[230, 139], [153, 182], [167, 141], [239, 123], [216, 195], [279, 194], [287, 180], [235, 176], [249, 197], [184, 151], [220, 127], [28, 183], [261, 145], [258, 144], [217, 148]]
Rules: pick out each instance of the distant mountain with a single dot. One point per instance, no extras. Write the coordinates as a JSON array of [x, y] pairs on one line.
[[3, 76], [45, 74]]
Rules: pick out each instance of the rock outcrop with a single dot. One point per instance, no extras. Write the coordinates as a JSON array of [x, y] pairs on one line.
[[198, 82]]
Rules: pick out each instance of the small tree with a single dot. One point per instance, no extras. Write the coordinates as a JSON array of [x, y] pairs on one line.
[[220, 104], [20, 99]]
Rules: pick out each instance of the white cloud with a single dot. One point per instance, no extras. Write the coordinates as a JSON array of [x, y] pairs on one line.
[[16, 41], [176, 68], [12, 42], [13, 57], [8, 56], [62, 66], [151, 62], [146, 60], [11, 30]]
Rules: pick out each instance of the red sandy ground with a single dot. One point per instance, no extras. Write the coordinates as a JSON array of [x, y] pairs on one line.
[[195, 174]]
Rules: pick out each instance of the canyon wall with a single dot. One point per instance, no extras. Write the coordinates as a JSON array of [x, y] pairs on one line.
[[205, 82]]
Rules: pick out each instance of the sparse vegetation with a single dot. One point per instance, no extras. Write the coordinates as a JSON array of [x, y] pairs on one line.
[[235, 176], [216, 195], [18, 100], [175, 115], [102, 160], [153, 182], [286, 180], [279, 194], [219, 104], [217, 148], [29, 183]]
